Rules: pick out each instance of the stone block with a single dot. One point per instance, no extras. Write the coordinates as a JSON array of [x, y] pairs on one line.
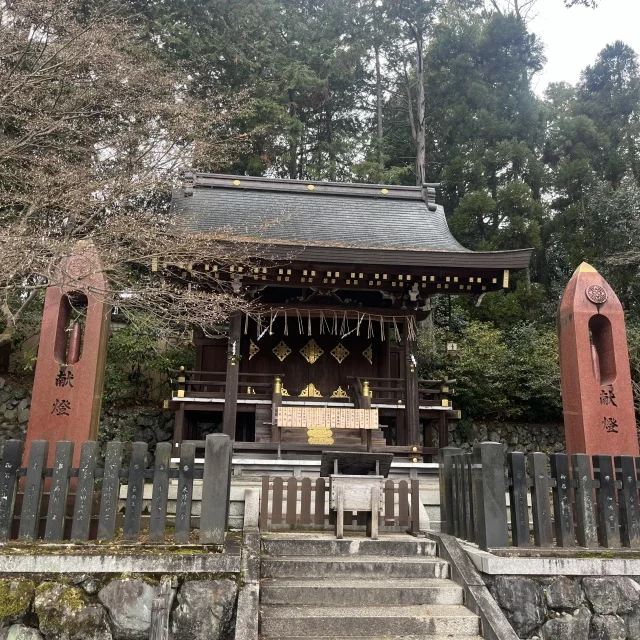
[[563, 593], [129, 603], [567, 626], [19, 632], [65, 614], [16, 597], [205, 610], [523, 602], [611, 594], [607, 628]]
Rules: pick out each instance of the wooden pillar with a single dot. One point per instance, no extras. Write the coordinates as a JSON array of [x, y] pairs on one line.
[[412, 401], [276, 403], [233, 373], [384, 370], [178, 429]]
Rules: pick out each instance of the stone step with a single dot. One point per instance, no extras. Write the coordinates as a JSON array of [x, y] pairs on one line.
[[369, 592], [427, 620], [353, 567], [314, 545]]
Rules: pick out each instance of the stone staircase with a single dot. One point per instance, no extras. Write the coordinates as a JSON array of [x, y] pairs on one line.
[[316, 587]]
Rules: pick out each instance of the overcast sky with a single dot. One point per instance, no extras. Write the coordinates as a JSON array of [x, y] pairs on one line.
[[573, 37]]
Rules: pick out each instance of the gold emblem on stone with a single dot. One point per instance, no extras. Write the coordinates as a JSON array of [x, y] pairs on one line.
[[253, 349], [340, 353], [311, 351], [281, 351], [368, 354], [310, 391], [339, 393]]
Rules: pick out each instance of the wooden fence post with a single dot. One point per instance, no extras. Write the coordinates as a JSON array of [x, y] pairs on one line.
[[10, 464], [489, 498], [518, 499], [586, 531], [30, 516], [562, 503], [135, 491], [185, 493], [446, 488], [110, 491], [628, 501], [160, 494], [84, 492], [216, 486], [608, 528], [540, 507]]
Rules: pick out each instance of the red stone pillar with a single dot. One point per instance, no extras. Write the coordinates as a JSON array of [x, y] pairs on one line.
[[597, 397], [69, 377]]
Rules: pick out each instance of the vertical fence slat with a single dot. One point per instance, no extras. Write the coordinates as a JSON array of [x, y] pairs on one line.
[[135, 491], [462, 492], [628, 501], [455, 497], [110, 491], [562, 503], [30, 516], [489, 495], [264, 504], [59, 490], [276, 509], [540, 506], [415, 506], [216, 489], [446, 490], [586, 531], [84, 492], [10, 463], [318, 514], [185, 493], [305, 501], [471, 527], [389, 503], [292, 500], [518, 499], [608, 527], [403, 503], [160, 492]]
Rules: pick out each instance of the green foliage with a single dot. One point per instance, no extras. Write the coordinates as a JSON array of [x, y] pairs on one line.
[[137, 361]]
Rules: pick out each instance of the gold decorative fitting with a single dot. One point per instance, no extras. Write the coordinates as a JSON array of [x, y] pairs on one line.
[[414, 449], [236, 183], [310, 391], [340, 353], [181, 367], [277, 388], [445, 403], [253, 349], [339, 393], [180, 393], [319, 432], [182, 379], [324, 441], [165, 404], [368, 354], [154, 264], [281, 351], [505, 278], [415, 460], [251, 391], [384, 191], [284, 392], [311, 351], [366, 393], [310, 187]]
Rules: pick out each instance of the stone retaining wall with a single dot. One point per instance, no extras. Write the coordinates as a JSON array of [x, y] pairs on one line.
[[570, 608], [107, 608]]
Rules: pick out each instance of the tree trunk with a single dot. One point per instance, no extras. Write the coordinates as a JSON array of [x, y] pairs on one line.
[[380, 155], [293, 149], [421, 107]]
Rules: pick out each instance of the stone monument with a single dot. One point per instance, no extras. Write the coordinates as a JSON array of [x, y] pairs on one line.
[[597, 397], [69, 377]]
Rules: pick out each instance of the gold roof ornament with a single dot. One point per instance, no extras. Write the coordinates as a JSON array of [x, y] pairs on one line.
[[253, 349], [281, 350], [368, 354], [311, 351], [340, 353], [340, 393], [310, 391]]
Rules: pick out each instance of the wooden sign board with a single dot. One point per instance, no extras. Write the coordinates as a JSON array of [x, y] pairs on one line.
[[327, 418]]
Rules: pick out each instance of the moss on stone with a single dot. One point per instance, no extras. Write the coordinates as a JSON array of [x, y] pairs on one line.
[[15, 598]]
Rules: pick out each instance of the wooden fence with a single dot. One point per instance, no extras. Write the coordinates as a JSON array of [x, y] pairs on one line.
[[579, 502], [297, 503], [84, 503]]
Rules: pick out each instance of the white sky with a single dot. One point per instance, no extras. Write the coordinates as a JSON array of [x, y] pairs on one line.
[[574, 37]]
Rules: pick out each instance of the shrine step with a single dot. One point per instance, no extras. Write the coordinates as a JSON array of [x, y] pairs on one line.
[[301, 545], [353, 567], [436, 637], [362, 592], [429, 620]]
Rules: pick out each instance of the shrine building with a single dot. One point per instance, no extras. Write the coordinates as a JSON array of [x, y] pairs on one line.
[[340, 282]]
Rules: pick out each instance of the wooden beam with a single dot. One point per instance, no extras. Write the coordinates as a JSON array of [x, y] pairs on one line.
[[233, 373], [412, 400]]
